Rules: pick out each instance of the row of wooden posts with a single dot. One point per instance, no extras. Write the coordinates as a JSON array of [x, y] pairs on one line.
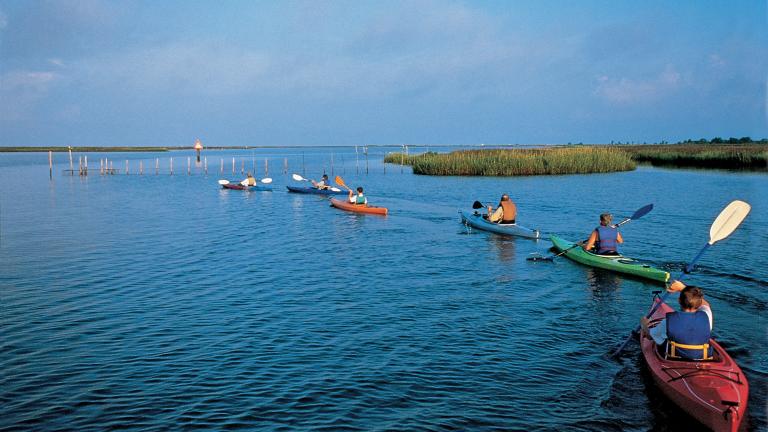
[[106, 166]]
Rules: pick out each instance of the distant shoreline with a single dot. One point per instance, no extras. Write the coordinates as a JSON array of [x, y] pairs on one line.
[[21, 149]]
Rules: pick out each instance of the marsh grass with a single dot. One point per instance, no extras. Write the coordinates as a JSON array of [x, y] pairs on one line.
[[725, 156], [518, 162]]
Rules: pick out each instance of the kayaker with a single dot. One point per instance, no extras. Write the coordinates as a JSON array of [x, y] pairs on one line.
[[685, 333], [605, 238], [323, 184], [249, 181], [359, 198], [506, 213]]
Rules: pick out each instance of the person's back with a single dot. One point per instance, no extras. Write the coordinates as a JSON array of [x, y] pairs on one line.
[[605, 239], [505, 213], [359, 198], [689, 330], [684, 334]]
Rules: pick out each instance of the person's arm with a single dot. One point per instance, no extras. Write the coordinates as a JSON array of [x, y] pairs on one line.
[[591, 242], [351, 197], [618, 238]]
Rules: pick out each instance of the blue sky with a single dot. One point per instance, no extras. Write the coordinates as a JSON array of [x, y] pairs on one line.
[[92, 72]]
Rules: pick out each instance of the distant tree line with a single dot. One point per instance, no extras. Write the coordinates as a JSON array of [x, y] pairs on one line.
[[731, 140]]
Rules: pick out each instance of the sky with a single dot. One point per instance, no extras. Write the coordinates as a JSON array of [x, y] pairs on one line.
[[163, 73]]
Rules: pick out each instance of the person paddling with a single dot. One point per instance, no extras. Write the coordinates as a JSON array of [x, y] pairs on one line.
[[323, 184], [359, 198], [685, 334], [249, 181], [506, 213], [605, 238]]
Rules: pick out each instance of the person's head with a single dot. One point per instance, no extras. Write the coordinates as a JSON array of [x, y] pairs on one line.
[[359, 189], [505, 197], [605, 219], [691, 297], [325, 176], [249, 175]]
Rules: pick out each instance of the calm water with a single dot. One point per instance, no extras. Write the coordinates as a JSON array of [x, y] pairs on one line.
[[163, 302]]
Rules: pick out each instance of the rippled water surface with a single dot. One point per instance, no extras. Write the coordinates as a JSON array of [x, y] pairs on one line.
[[164, 302]]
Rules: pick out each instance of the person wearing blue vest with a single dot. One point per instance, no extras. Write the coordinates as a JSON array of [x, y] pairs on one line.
[[323, 184], [684, 334], [605, 238], [358, 199]]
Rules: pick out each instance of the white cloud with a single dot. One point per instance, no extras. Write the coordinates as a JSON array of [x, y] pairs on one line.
[[627, 91], [21, 90]]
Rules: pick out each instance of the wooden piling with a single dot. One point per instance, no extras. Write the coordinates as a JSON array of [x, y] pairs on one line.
[[71, 165], [222, 166], [171, 166], [86, 164], [126, 167], [205, 165], [266, 167], [141, 167], [285, 165], [189, 166], [357, 162], [233, 165], [157, 166], [365, 150], [111, 168], [242, 166], [50, 165]]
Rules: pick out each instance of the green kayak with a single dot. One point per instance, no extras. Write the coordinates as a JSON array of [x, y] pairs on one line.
[[617, 263]]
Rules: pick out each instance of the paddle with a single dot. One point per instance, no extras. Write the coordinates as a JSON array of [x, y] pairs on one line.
[[223, 182], [478, 205], [339, 181], [299, 178], [642, 211], [726, 223]]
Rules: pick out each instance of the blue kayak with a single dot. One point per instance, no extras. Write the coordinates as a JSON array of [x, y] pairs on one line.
[[476, 220], [316, 191]]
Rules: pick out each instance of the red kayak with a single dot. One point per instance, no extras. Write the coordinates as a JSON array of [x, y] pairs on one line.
[[714, 392], [358, 208]]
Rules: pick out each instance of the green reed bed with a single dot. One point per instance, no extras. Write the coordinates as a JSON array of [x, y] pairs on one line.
[[518, 162], [725, 156]]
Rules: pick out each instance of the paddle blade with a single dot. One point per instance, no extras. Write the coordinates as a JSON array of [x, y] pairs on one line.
[[223, 182], [728, 220], [298, 177], [339, 181], [477, 205], [266, 180], [335, 189], [244, 182], [642, 211]]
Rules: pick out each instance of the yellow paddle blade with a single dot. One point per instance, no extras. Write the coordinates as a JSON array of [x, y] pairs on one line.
[[728, 220]]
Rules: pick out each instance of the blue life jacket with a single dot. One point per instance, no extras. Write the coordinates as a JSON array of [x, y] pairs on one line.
[[606, 239], [360, 199], [689, 328]]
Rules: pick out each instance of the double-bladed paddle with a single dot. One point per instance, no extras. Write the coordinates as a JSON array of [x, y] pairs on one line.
[[642, 211], [726, 223], [300, 178], [265, 180]]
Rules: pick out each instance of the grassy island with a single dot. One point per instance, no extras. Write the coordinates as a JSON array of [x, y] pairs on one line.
[[518, 162]]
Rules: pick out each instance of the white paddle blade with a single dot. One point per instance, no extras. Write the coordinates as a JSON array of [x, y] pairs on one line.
[[223, 182], [728, 220], [266, 180], [335, 189], [298, 177]]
